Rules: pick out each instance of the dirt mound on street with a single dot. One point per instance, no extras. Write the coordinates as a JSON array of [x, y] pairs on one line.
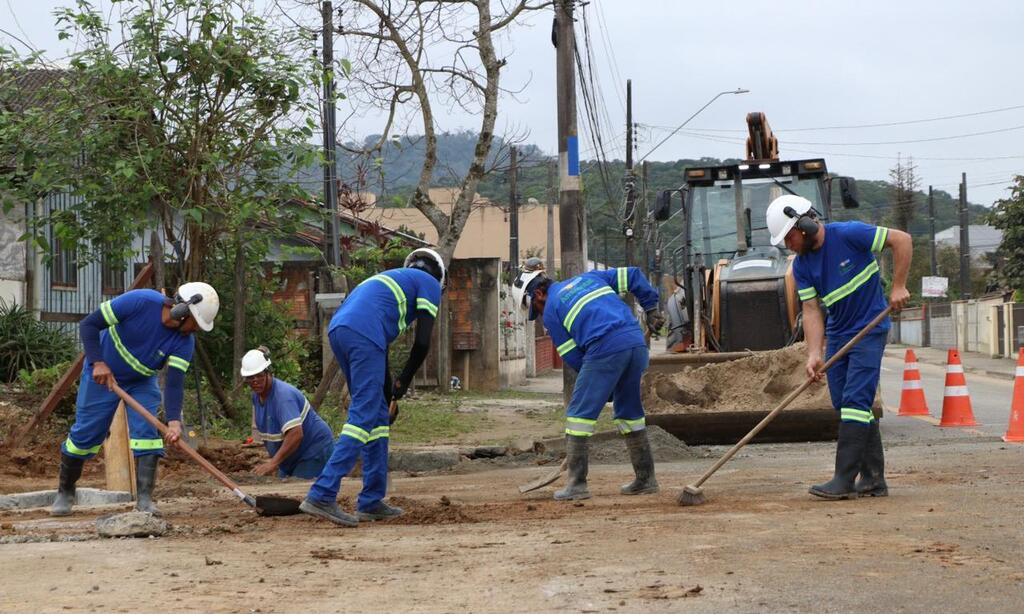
[[443, 511], [758, 382], [664, 448]]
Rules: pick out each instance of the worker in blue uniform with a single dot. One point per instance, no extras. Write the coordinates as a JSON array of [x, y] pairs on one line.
[[596, 333], [835, 266], [371, 317], [298, 441], [127, 341]]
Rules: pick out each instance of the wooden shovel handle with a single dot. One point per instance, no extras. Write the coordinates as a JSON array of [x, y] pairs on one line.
[[182, 445]]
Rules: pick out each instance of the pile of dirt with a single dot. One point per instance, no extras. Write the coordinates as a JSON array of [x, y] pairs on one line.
[[443, 511], [664, 448], [758, 382]]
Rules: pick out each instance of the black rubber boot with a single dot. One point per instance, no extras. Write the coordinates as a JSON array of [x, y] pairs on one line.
[[853, 439], [145, 480], [70, 471], [577, 452], [872, 469], [639, 447]]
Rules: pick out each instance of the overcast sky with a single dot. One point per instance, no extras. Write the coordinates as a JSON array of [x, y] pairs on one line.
[[807, 64]]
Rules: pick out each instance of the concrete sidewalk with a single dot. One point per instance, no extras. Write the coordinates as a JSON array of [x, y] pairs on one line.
[[1002, 368]]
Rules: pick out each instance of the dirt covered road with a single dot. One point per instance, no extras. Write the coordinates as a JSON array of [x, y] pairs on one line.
[[948, 539]]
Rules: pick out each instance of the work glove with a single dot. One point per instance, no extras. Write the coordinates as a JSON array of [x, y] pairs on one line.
[[654, 320]]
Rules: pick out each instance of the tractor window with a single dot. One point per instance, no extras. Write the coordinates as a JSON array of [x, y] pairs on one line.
[[713, 212]]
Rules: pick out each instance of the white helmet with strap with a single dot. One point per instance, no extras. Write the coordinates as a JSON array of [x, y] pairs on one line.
[[202, 303], [779, 223], [254, 362], [428, 254], [522, 287]]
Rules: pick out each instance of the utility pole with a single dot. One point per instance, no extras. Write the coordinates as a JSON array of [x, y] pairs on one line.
[[644, 220], [931, 245], [629, 217], [330, 167], [513, 213], [550, 265], [572, 228], [965, 242]]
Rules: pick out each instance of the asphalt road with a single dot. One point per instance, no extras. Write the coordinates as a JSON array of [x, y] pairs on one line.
[[990, 401]]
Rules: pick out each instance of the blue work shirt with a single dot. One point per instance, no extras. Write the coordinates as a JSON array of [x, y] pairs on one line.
[[844, 275], [586, 317], [284, 409], [384, 305], [136, 344]]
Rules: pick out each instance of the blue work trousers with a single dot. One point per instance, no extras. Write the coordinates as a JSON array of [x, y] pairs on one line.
[[366, 431], [616, 376], [853, 379], [94, 411]]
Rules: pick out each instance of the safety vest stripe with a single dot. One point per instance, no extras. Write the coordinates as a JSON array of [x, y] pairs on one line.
[[849, 287], [146, 444], [567, 347], [178, 363], [629, 426], [856, 415], [956, 391], [294, 422], [381, 432], [622, 274], [425, 305], [107, 310], [807, 293], [880, 234], [399, 297], [914, 384], [70, 446], [355, 433], [586, 298], [127, 356]]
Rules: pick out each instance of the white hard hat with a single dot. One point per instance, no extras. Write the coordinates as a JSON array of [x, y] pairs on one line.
[[521, 288], [254, 361], [205, 308], [430, 254], [779, 224]]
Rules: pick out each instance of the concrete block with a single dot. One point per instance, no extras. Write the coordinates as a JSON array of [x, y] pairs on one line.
[[422, 460], [131, 524], [44, 498]]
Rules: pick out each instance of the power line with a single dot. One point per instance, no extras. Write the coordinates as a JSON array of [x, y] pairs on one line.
[[880, 125], [928, 140]]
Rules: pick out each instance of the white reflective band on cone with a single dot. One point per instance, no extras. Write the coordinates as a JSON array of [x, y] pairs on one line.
[[914, 384], [956, 391], [1020, 371], [955, 369], [910, 366], [239, 494]]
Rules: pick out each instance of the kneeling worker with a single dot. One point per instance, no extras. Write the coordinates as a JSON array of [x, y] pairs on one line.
[[298, 440], [596, 334]]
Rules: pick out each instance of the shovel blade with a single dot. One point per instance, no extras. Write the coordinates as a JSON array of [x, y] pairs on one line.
[[545, 479], [269, 505]]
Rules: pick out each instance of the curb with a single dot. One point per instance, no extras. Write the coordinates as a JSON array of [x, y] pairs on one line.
[[1003, 375]]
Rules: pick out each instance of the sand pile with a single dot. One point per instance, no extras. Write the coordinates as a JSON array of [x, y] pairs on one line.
[[759, 382]]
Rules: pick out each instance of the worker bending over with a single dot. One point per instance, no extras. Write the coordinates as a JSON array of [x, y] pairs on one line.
[[298, 441], [373, 315], [126, 341], [835, 266], [596, 334]]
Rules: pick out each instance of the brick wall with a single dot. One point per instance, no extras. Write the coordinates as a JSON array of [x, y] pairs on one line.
[[544, 353]]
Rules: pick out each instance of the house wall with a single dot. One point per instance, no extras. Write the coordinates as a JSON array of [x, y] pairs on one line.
[[12, 257], [472, 308]]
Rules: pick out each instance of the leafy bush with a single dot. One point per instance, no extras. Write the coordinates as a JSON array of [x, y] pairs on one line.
[[27, 344]]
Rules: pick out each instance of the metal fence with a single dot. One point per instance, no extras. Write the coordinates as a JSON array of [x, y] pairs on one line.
[[987, 326]]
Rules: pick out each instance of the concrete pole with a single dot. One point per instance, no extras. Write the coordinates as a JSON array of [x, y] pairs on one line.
[[931, 245], [965, 242], [513, 213], [550, 265], [330, 166]]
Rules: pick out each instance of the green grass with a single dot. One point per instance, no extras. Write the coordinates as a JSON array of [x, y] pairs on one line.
[[427, 420]]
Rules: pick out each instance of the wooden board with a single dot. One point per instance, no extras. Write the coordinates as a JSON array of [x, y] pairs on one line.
[[118, 461], [728, 427]]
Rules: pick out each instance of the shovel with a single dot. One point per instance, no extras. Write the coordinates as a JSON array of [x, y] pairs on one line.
[[264, 505], [545, 479]]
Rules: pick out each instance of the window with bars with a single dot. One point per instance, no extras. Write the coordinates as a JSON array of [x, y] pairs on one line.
[[63, 266], [112, 272]]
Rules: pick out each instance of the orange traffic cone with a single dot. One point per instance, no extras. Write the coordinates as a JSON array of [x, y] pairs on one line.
[[1015, 432], [956, 402], [912, 401]]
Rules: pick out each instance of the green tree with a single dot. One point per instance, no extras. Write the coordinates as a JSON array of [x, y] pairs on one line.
[[1008, 215]]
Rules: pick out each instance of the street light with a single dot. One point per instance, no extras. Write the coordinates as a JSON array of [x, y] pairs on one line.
[[738, 90]]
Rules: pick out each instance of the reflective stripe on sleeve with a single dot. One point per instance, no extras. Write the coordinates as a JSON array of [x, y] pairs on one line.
[[425, 305], [586, 298], [622, 274], [294, 422], [107, 310], [807, 293], [567, 347], [880, 234], [178, 363]]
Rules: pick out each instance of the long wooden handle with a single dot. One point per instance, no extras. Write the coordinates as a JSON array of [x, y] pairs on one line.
[[793, 395], [184, 447]]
